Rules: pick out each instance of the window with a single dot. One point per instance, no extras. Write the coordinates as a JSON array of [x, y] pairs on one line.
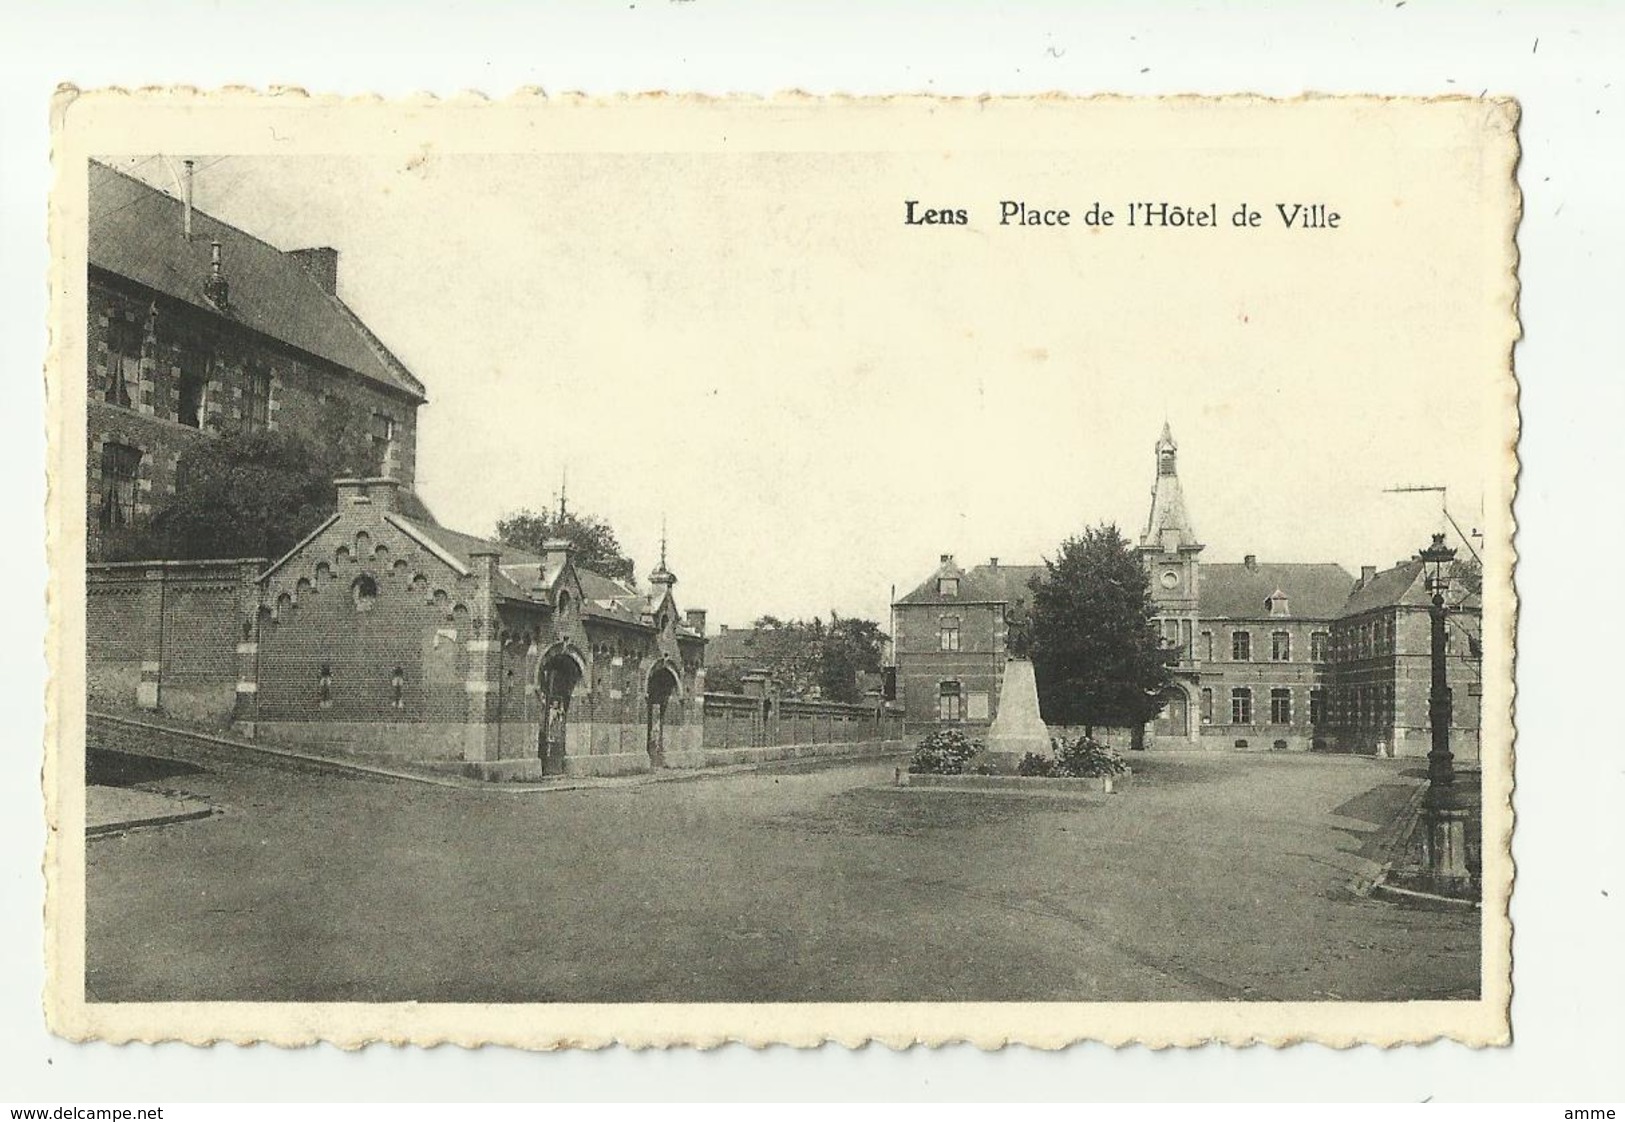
[[1207, 707], [365, 591], [123, 362], [121, 465], [1281, 706], [948, 702], [324, 686], [1317, 646], [194, 378], [383, 435], [257, 400], [1207, 645], [1241, 706], [1241, 646], [1281, 646], [948, 635], [1317, 706], [948, 586]]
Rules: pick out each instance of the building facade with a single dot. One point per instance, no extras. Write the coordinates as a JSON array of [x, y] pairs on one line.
[[383, 634], [1382, 649], [194, 328], [1265, 656]]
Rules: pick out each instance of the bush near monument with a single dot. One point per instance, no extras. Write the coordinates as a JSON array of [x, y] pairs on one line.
[[1082, 758], [944, 753]]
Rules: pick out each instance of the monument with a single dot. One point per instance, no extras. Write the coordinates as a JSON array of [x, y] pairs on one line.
[[1017, 728]]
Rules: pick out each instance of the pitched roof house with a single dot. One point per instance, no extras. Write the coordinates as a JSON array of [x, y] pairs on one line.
[[196, 327]]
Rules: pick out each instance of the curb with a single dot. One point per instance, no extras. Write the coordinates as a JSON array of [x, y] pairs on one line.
[[155, 820], [1375, 885], [1392, 837], [376, 771]]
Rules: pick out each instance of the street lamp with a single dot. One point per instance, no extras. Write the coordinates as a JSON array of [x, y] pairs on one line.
[[1446, 842]]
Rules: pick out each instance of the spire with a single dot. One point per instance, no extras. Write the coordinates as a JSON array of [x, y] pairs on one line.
[[661, 574], [1167, 450], [564, 489], [1169, 526]]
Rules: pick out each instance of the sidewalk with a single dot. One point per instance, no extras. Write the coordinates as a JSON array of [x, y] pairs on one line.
[[110, 809], [405, 771]]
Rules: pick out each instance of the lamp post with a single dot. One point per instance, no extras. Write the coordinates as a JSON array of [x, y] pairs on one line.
[[1446, 843]]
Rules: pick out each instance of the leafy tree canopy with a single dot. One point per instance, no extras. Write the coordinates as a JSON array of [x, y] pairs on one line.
[[593, 542], [1095, 649], [811, 658], [242, 494]]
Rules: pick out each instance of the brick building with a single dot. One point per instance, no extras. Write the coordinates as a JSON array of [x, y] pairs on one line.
[[1382, 651], [949, 634], [1272, 656], [381, 633], [196, 327]]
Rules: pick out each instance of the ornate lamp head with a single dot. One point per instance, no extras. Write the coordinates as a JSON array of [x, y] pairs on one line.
[[1438, 558]]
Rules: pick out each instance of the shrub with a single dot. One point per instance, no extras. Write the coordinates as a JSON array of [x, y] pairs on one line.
[[944, 753], [1084, 758], [1040, 767]]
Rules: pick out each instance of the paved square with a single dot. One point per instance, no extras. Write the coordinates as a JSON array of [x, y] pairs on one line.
[[1214, 878]]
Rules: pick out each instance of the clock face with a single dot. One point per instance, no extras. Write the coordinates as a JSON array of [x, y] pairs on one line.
[[1170, 579]]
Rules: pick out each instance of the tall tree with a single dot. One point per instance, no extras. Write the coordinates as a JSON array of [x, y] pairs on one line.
[[812, 658], [242, 494], [852, 647], [592, 540], [1095, 649]]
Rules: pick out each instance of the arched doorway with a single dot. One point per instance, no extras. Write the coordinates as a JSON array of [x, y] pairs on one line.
[[1174, 722], [663, 687], [558, 675]]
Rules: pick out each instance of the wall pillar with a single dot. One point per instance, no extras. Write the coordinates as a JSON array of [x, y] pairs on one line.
[[149, 691], [481, 741], [245, 711]]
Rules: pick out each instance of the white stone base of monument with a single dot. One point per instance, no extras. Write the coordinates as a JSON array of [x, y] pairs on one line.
[[1018, 728]]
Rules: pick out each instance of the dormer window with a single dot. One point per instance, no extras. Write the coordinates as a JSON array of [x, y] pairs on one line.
[[947, 586], [1278, 604]]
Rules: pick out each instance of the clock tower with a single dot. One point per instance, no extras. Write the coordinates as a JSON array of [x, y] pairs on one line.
[[1168, 549]]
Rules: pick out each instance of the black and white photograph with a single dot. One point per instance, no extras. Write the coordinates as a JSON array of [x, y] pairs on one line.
[[717, 555]]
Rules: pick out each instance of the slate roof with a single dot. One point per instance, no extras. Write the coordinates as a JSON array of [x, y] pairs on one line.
[[1399, 585], [136, 231], [1404, 585], [984, 584], [1314, 591], [519, 571], [734, 645]]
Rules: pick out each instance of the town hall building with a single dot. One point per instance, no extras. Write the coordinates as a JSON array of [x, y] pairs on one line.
[[1273, 656]]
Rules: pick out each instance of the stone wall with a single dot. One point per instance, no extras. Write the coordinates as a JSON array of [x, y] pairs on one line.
[[756, 727], [168, 636]]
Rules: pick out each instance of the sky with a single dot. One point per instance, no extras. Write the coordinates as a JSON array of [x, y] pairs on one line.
[[818, 400]]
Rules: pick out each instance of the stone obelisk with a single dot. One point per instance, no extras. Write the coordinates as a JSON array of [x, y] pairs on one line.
[[1017, 727]]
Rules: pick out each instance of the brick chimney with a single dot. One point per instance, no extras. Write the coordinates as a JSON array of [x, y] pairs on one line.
[[1251, 561], [1368, 573], [322, 263], [215, 287], [696, 619], [382, 495]]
